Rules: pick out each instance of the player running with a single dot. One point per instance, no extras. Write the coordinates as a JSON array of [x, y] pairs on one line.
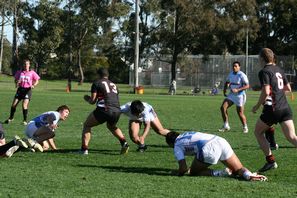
[[105, 94], [26, 80], [237, 82], [208, 149], [275, 105], [142, 113]]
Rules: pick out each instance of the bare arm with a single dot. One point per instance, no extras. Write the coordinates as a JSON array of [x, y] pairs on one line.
[[91, 99], [146, 130], [225, 88], [182, 167], [35, 84], [52, 143], [240, 89], [287, 87], [264, 94]]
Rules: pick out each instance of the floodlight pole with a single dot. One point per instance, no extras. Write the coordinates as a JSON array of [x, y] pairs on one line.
[[136, 51]]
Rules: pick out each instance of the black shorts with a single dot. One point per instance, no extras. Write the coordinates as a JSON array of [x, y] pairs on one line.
[[102, 115], [271, 117], [23, 93]]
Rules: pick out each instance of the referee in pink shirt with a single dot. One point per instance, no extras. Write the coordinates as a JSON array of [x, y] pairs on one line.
[[25, 80]]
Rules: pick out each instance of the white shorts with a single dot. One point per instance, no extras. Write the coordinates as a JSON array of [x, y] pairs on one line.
[[238, 100], [30, 129], [149, 117], [216, 150]]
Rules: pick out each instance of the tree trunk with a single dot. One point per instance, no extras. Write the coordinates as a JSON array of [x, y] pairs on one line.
[[175, 47], [81, 72], [15, 54]]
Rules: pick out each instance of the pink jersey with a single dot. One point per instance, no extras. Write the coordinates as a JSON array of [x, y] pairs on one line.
[[26, 78]]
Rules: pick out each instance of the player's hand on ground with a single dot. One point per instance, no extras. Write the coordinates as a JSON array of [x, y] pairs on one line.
[[141, 139], [257, 177], [87, 98]]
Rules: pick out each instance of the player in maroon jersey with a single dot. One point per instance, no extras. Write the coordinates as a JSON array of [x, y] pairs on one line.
[[104, 94], [275, 105]]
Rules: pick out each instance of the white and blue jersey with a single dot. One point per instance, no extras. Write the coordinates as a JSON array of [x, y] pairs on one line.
[[207, 148], [41, 120], [148, 114], [237, 80]]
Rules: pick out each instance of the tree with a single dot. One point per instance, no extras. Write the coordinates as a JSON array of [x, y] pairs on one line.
[[278, 26], [203, 27], [42, 29]]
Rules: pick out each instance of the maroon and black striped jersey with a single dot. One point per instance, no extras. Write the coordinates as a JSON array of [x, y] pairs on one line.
[[275, 77], [107, 94]]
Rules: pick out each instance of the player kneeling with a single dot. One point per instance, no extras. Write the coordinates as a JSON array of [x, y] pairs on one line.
[[208, 149]]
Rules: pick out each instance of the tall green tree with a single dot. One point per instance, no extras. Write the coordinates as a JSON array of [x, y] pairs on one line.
[[42, 31], [204, 27], [278, 24]]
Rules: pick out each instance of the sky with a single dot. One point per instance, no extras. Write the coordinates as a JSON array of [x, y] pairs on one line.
[[8, 32]]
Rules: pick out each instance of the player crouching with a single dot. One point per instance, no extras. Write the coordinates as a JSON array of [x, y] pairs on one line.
[[208, 149]]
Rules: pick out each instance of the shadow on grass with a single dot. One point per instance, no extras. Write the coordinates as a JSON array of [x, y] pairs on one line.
[[158, 146], [139, 170], [76, 151]]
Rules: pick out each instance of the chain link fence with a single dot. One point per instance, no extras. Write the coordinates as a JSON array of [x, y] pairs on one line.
[[205, 72]]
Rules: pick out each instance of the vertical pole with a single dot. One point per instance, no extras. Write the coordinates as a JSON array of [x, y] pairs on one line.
[[1, 40], [136, 51], [247, 51]]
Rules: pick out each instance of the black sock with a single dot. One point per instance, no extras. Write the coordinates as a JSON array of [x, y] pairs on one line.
[[12, 111], [269, 134], [25, 114], [7, 146], [123, 141], [83, 148]]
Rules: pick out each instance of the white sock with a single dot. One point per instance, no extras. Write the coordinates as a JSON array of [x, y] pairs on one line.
[[226, 125], [219, 173], [246, 175]]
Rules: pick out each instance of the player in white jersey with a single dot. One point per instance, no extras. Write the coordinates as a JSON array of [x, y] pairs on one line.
[[138, 113], [237, 82], [208, 149], [42, 128]]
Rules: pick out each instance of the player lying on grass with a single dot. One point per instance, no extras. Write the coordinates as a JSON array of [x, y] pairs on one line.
[[7, 150], [142, 113], [42, 128], [208, 149]]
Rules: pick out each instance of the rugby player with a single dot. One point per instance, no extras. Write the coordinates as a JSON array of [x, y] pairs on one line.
[[105, 94], [275, 106], [42, 128], [237, 82], [7, 150], [208, 149], [142, 113]]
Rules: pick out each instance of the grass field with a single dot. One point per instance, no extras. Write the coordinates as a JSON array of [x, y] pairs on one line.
[[105, 173]]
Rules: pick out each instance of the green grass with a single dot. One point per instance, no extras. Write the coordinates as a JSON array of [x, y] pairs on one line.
[[105, 173]]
